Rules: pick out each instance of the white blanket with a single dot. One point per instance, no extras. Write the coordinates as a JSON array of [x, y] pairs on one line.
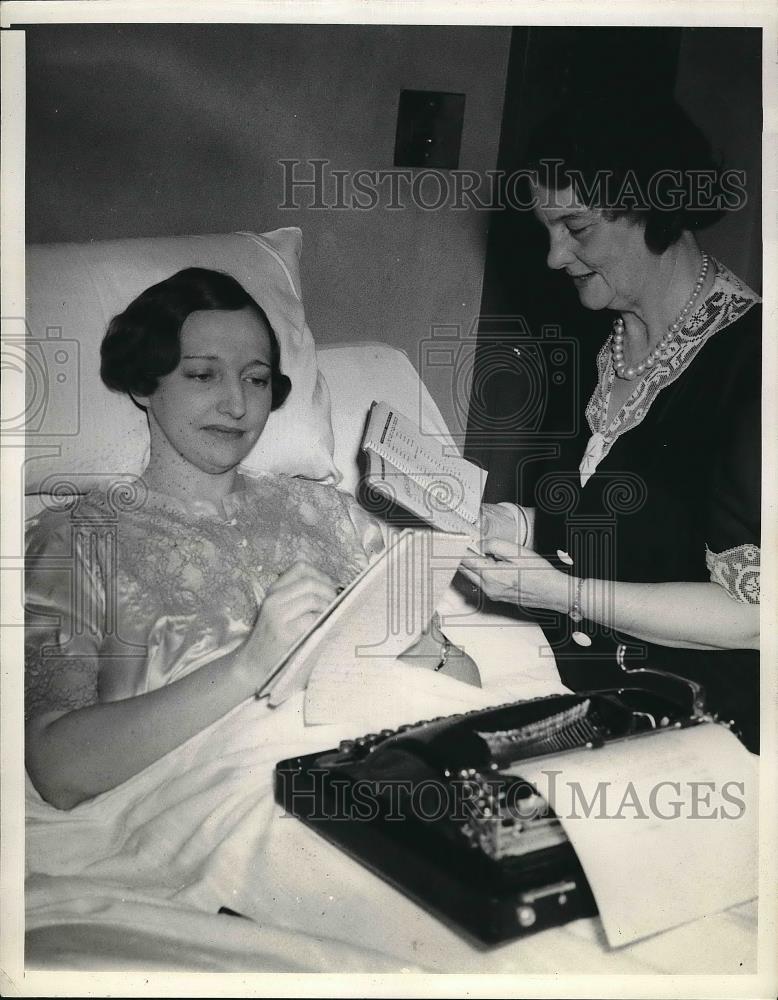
[[135, 877]]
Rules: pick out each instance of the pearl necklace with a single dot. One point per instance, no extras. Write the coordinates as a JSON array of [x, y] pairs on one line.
[[660, 352]]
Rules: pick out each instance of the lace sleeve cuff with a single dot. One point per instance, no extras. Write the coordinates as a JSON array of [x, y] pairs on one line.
[[58, 683], [737, 571]]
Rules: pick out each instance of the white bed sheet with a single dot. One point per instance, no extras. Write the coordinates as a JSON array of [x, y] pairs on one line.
[[134, 878]]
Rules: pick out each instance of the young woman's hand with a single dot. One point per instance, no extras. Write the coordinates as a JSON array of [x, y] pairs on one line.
[[291, 606]]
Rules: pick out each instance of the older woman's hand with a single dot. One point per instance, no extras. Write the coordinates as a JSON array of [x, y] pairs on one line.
[[515, 575]]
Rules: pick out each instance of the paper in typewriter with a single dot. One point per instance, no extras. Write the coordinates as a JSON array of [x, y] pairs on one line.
[[382, 612], [649, 869], [417, 472]]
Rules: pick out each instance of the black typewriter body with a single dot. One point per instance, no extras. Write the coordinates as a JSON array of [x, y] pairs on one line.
[[435, 808]]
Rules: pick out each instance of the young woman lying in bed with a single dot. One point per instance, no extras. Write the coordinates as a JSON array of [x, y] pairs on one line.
[[170, 599]]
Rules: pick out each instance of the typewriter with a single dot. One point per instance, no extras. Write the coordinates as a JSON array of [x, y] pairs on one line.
[[435, 809]]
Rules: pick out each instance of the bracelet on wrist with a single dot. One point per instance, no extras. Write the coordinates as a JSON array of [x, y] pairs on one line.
[[445, 650], [576, 614], [445, 646]]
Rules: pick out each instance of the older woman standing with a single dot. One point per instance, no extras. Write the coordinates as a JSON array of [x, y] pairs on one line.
[[644, 543]]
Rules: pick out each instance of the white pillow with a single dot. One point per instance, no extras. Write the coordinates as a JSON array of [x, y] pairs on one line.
[[78, 430]]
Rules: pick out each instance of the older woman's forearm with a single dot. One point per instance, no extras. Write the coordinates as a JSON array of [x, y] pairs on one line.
[[688, 615], [76, 755], [694, 615]]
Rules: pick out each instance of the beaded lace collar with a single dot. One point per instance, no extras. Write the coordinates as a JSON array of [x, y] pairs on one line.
[[728, 300]]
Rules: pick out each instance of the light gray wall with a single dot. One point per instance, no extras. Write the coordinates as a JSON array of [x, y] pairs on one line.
[[144, 130]]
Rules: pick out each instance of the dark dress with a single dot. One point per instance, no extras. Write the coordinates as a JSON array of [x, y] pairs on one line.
[[682, 482]]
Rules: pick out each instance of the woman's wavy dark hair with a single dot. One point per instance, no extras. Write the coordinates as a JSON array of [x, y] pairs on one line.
[[635, 156], [143, 343]]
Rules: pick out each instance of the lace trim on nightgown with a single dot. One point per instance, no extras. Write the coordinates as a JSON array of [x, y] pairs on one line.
[[60, 669], [58, 683], [225, 565], [197, 572]]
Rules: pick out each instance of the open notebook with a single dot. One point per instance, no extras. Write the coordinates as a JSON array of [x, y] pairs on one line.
[[377, 617]]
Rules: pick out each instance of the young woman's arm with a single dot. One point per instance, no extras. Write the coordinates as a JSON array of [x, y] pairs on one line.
[[74, 755]]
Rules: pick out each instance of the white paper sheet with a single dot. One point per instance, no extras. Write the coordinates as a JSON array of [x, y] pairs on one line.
[[650, 869], [380, 620]]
